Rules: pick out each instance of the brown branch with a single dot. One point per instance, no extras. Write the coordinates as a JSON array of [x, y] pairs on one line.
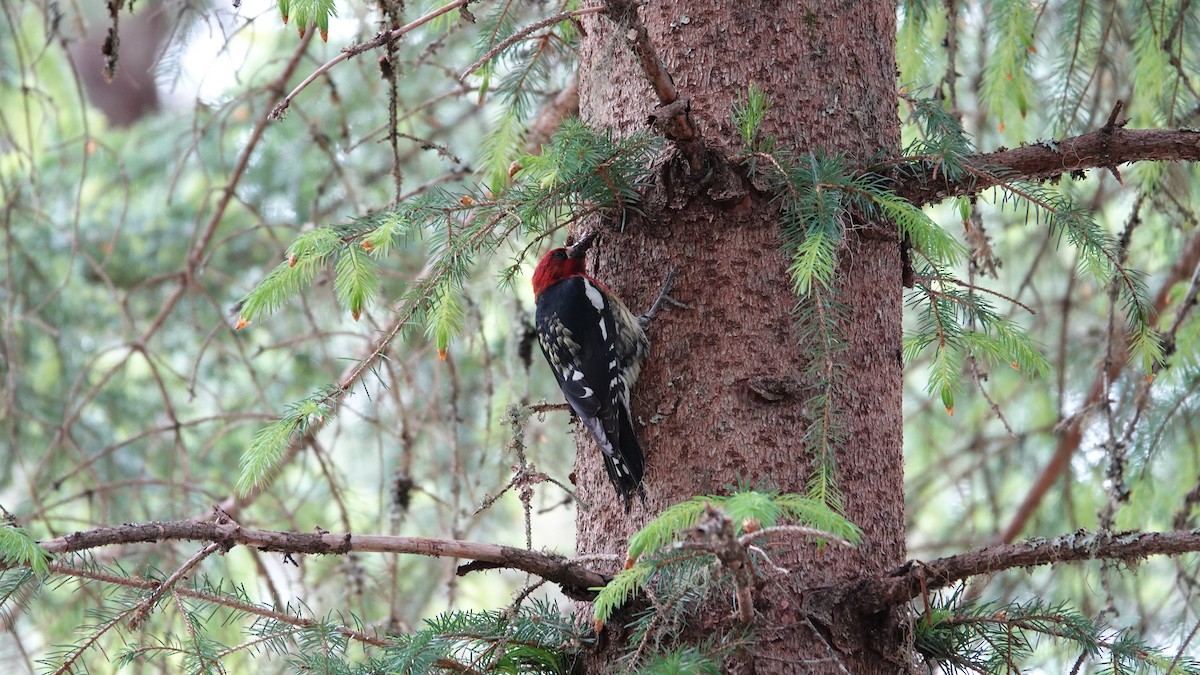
[[975, 289], [876, 594], [751, 537], [625, 12], [715, 534], [673, 117], [1106, 147], [575, 579]]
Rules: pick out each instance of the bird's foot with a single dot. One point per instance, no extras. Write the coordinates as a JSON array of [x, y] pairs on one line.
[[664, 298]]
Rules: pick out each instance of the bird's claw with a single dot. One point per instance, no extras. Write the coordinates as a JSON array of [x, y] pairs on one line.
[[664, 297]]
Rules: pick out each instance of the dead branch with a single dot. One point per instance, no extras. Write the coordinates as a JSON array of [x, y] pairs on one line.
[[575, 579], [1107, 147], [564, 105], [876, 594], [673, 117]]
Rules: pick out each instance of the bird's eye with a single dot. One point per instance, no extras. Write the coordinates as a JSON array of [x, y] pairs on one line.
[[560, 254]]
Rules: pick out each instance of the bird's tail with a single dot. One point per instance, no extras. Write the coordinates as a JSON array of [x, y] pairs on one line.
[[626, 465]]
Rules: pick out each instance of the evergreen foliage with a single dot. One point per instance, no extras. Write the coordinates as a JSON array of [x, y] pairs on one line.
[[525, 67], [302, 14], [18, 549], [271, 442], [681, 662], [820, 197], [980, 637], [650, 551], [532, 638]]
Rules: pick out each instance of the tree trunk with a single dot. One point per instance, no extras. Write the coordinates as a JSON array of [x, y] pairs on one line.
[[721, 400]]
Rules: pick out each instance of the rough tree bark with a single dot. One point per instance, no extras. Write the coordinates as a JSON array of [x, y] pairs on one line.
[[722, 398]]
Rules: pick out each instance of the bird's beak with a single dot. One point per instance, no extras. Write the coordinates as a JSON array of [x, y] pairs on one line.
[[581, 247]]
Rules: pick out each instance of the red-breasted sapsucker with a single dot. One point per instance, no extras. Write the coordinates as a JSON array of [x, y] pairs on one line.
[[596, 348]]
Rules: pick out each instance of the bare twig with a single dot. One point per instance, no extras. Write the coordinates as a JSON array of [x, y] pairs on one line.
[[979, 376], [767, 559], [1072, 428], [354, 50], [186, 279], [747, 539], [980, 289]]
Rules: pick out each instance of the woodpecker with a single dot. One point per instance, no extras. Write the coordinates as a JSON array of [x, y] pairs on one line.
[[596, 348]]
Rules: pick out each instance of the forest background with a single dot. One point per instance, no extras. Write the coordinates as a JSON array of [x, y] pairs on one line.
[[266, 271]]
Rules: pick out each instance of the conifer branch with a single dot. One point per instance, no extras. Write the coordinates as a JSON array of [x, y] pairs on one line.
[[975, 288], [526, 32], [348, 380], [1106, 148], [210, 598], [574, 578], [915, 577], [144, 607]]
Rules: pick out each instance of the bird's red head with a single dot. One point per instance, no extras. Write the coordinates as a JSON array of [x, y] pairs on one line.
[[561, 263]]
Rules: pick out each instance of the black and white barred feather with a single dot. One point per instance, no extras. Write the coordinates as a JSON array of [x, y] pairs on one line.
[[596, 348]]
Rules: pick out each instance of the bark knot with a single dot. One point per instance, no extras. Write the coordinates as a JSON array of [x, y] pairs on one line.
[[773, 389]]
